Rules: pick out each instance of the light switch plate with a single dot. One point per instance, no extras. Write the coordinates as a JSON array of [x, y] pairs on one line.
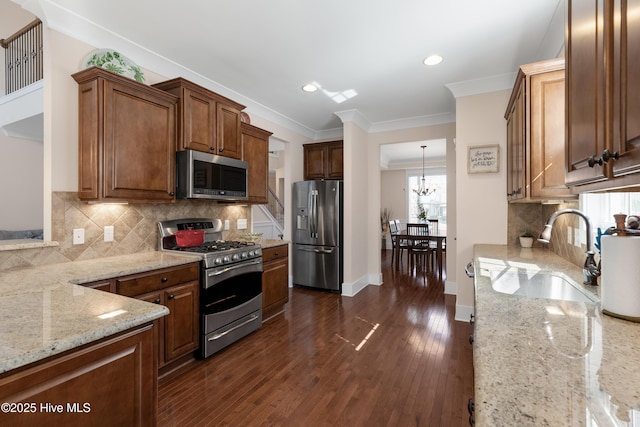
[[226, 224], [108, 233], [242, 224], [78, 236]]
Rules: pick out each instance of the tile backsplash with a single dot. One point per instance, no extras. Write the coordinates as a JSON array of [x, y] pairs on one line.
[[135, 226], [533, 216]]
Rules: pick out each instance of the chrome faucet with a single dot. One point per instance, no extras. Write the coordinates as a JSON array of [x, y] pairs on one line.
[[590, 270]]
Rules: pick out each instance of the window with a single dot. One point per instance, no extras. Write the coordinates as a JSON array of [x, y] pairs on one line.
[[600, 208], [434, 204]]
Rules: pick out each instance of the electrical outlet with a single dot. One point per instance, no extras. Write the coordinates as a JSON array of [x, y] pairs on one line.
[[242, 224], [108, 233], [569, 235], [226, 224], [78, 236], [577, 237]]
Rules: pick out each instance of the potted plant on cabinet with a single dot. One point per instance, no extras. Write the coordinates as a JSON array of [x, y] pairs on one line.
[[526, 239]]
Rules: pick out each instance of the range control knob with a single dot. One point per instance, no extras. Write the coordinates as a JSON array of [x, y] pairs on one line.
[[226, 258], [251, 253], [235, 257], [218, 260], [243, 255]]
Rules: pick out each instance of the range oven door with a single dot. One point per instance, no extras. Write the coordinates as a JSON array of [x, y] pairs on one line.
[[230, 304]]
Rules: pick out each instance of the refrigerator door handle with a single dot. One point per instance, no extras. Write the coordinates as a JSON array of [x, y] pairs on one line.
[[314, 213], [317, 250]]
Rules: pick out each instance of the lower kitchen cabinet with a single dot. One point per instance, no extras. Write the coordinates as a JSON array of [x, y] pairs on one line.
[[178, 289], [275, 280], [111, 382]]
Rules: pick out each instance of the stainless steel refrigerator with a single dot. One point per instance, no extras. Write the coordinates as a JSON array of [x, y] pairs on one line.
[[317, 234]]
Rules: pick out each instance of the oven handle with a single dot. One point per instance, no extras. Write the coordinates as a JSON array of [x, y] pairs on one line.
[[233, 267], [220, 335]]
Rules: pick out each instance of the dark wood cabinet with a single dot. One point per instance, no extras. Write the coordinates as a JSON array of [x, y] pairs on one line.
[[323, 160], [127, 139], [207, 121], [255, 151], [110, 382], [603, 135], [275, 280], [535, 134], [626, 87], [178, 288]]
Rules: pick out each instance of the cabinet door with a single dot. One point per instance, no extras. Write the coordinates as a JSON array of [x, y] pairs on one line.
[[111, 382], [547, 148], [335, 168], [229, 141], [626, 87], [255, 151], [515, 148], [181, 327], [139, 145], [585, 90], [198, 121], [275, 288], [315, 160]]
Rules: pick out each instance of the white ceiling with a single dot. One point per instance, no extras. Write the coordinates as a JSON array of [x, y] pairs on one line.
[[261, 53]]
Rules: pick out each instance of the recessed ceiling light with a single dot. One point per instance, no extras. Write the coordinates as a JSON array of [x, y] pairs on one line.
[[432, 60], [310, 87]]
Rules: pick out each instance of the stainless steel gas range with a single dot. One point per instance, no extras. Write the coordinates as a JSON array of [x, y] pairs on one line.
[[230, 279]]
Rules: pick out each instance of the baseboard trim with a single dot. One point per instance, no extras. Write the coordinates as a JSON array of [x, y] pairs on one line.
[[463, 313], [450, 288], [351, 289]]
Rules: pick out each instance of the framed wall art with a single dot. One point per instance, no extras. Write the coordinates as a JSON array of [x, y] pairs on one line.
[[483, 158]]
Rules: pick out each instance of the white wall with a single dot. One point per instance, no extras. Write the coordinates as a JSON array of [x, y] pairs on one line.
[[393, 193], [358, 205], [21, 190], [481, 201]]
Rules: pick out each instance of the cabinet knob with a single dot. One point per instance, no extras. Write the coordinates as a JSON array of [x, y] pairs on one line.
[[220, 150], [592, 161], [164, 279], [471, 339], [172, 194], [157, 301], [171, 296], [212, 148], [607, 155], [472, 319]]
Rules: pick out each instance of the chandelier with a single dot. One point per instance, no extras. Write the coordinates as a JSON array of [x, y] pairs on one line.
[[423, 189]]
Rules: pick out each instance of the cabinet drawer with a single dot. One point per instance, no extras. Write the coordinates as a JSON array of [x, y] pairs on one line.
[[275, 252], [159, 279]]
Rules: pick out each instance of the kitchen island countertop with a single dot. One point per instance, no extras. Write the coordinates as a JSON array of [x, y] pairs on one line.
[[44, 311], [549, 362]]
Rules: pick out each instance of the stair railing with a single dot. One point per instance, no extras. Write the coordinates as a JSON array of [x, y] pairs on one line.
[[23, 57]]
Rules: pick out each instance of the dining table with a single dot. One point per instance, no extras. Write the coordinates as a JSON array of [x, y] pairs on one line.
[[439, 237]]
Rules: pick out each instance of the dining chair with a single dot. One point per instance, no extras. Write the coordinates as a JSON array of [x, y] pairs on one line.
[[420, 250], [394, 229]]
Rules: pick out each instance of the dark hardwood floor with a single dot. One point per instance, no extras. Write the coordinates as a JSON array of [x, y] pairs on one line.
[[390, 356]]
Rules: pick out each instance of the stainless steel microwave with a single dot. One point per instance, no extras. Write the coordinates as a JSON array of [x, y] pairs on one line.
[[208, 176]]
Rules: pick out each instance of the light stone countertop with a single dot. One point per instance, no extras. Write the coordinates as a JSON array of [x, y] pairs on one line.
[[44, 312], [270, 243], [543, 362]]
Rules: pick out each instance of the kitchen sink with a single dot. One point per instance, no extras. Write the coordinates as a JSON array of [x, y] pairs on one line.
[[537, 285]]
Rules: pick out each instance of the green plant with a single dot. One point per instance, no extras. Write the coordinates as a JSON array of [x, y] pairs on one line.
[[422, 212]]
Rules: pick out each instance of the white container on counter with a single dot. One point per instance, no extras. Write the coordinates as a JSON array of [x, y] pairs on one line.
[[620, 281]]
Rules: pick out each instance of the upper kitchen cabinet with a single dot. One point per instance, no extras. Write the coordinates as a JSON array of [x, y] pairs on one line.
[[535, 134], [255, 151], [323, 160], [626, 88], [603, 131], [207, 121], [127, 139]]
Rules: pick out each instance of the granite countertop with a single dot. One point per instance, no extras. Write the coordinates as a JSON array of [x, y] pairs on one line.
[[270, 243], [43, 310], [549, 362]]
